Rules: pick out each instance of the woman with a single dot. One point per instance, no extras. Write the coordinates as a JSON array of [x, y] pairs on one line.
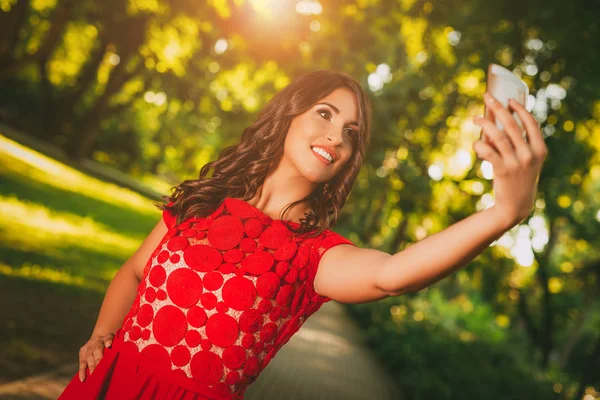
[[223, 280]]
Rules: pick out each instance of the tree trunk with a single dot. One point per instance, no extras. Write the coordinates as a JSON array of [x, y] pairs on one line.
[[10, 25], [590, 372], [60, 17], [90, 123], [573, 338]]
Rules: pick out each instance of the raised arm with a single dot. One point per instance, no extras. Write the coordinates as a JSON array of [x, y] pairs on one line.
[[349, 274], [352, 275]]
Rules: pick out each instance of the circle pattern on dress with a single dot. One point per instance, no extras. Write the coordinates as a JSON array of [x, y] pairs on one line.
[[184, 287], [282, 268], [285, 295], [169, 325], [196, 316], [267, 285], [226, 232], [206, 367], [232, 378], [251, 367], [268, 331], [156, 355], [253, 228], [234, 357], [180, 355], [213, 280], [202, 257], [150, 295], [177, 243], [157, 275], [286, 251], [209, 300], [248, 341], [301, 258], [145, 314], [135, 332], [226, 268], [275, 236], [192, 338], [258, 262], [247, 245], [233, 256], [251, 320], [222, 329], [189, 233], [240, 208], [163, 256], [292, 275], [238, 293], [265, 306]]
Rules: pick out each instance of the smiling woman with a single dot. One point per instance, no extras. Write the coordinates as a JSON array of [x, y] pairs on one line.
[[224, 279]]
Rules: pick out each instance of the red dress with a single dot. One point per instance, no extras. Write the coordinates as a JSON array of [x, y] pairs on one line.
[[219, 297]]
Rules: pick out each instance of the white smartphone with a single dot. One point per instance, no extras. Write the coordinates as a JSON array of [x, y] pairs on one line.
[[504, 85]]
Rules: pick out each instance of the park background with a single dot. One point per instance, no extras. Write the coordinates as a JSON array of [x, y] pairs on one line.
[[105, 105]]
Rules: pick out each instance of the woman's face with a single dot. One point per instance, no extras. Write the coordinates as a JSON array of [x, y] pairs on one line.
[[331, 122]]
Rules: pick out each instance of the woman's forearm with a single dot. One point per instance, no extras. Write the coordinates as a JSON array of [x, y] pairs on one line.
[[437, 256], [117, 302]]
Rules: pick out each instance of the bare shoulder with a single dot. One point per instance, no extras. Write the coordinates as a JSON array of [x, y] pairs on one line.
[[348, 274]]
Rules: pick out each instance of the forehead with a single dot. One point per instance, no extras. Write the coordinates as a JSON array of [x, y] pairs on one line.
[[345, 101]]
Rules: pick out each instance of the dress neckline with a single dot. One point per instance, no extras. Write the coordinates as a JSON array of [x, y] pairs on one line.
[[262, 213]]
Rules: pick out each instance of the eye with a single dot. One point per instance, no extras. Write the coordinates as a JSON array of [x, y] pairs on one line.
[[326, 113], [352, 132]]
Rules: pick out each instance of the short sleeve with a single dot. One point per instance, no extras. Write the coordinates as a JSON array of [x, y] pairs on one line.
[[169, 218], [330, 239]]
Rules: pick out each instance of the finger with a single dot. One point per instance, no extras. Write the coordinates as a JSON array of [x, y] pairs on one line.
[[82, 365], [536, 140], [499, 139], [487, 152], [98, 353], [108, 343], [91, 362], [512, 129]]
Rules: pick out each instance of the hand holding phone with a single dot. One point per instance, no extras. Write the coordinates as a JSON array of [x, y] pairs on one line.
[[504, 85]]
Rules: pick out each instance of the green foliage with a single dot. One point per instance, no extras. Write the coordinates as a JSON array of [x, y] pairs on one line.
[[450, 354]]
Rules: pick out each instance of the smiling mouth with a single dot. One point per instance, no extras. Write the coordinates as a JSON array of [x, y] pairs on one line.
[[320, 157]]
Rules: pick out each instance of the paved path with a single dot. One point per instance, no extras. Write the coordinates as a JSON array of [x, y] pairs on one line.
[[326, 359]]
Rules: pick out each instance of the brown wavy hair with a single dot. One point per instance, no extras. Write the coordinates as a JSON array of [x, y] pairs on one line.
[[240, 170]]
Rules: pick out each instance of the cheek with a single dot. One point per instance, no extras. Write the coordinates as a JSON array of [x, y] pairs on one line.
[[300, 131]]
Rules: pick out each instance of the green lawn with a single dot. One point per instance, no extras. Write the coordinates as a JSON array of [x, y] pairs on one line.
[[63, 235]]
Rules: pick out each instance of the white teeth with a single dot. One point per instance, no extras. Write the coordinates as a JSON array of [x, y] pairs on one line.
[[322, 153]]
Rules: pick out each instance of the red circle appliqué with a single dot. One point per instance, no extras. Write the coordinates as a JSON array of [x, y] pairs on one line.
[[169, 326], [202, 257], [184, 287], [222, 330], [239, 293]]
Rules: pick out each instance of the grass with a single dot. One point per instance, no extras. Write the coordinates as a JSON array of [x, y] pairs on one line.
[[63, 235]]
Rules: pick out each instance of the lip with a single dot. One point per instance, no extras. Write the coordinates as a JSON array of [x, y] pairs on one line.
[[328, 150]]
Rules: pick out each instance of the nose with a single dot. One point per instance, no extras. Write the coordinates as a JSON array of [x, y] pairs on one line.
[[334, 137]]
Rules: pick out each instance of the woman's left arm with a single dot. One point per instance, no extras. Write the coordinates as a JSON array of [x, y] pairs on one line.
[[359, 275]]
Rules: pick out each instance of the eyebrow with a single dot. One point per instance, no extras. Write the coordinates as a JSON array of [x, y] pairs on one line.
[[337, 111]]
